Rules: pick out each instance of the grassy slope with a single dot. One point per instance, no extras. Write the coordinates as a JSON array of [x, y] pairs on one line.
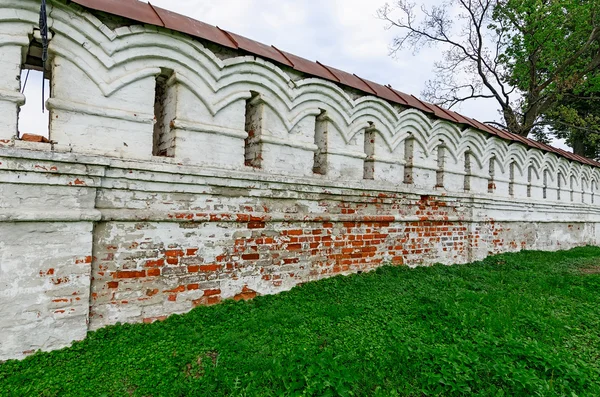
[[515, 324]]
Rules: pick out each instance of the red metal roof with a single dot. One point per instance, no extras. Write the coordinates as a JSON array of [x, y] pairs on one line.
[[152, 15], [305, 66], [460, 118], [262, 50], [384, 92], [183, 24], [349, 80], [131, 9]]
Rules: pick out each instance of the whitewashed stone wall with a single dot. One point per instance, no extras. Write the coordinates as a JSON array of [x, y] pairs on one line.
[[271, 179]]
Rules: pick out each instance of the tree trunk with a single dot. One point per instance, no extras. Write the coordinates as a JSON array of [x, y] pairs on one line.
[[512, 123], [578, 145]]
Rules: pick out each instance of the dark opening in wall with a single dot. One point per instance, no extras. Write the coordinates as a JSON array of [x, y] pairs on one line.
[[545, 187], [409, 149], [511, 176], [369, 166], [558, 185], [165, 111], [254, 127], [34, 118], [572, 187], [441, 161], [492, 174], [529, 177], [320, 162], [467, 182]]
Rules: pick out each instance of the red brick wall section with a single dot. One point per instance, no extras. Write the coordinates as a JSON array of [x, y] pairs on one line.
[[145, 271]]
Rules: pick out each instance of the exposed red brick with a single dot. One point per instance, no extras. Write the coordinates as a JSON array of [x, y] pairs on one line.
[[61, 300], [152, 292], [191, 251], [87, 259], [174, 253], [48, 272], [206, 301], [129, 274], [149, 320], [179, 288], [34, 138], [57, 281], [155, 262], [256, 225], [210, 268], [246, 294], [243, 217], [317, 247], [153, 272]]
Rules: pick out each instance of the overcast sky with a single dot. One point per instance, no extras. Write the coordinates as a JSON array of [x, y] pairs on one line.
[[345, 34]]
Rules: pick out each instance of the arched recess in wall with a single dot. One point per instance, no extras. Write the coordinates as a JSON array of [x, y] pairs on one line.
[[441, 162], [34, 73], [594, 186], [559, 179], [370, 142], [468, 170], [583, 187], [492, 174], [511, 177], [165, 111], [529, 179], [409, 152], [254, 127], [545, 184], [572, 187], [321, 141]]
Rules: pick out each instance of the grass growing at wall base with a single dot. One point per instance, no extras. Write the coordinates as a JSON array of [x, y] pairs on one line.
[[525, 324]]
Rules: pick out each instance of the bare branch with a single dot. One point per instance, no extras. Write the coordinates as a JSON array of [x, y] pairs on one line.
[[502, 126]]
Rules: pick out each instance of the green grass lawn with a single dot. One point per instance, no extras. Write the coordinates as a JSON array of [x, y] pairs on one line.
[[525, 324]]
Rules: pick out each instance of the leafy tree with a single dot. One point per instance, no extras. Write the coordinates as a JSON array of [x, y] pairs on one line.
[[577, 120], [537, 58]]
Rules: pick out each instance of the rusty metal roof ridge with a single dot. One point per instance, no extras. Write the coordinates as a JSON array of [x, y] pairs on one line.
[[329, 70], [367, 84], [229, 36], [389, 87], [283, 55], [157, 14], [449, 114], [423, 103]]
